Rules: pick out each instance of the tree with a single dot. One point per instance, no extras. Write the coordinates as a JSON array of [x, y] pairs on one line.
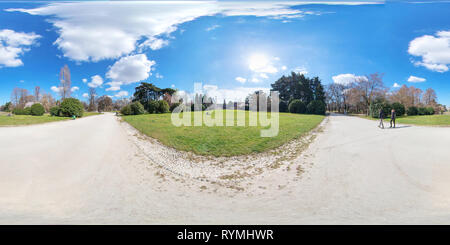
[[15, 96], [24, 98], [47, 101], [37, 110], [104, 103], [37, 93], [71, 107], [65, 82], [370, 88], [297, 106], [297, 86], [429, 97], [92, 105], [146, 92]]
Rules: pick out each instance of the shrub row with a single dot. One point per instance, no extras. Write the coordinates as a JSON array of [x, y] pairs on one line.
[[314, 107], [154, 106], [387, 107], [68, 108], [35, 110], [413, 111]]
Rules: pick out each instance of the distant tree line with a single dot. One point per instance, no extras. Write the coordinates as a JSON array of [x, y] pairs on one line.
[[368, 94]]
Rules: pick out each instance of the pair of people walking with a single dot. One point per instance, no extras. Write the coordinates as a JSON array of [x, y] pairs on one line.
[[381, 116]]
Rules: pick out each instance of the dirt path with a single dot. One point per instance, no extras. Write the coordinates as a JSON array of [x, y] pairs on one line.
[[100, 171]]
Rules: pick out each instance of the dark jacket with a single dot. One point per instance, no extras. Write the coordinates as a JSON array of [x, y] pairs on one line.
[[381, 114], [393, 115]]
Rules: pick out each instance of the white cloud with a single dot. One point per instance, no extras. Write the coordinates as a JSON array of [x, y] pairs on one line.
[[121, 94], [235, 94], [346, 79], [255, 80], [85, 95], [74, 89], [283, 68], [13, 45], [129, 69], [93, 31], [159, 76], [154, 43], [55, 89], [301, 70], [96, 81], [241, 79], [172, 86], [84, 80], [260, 63], [213, 27], [396, 85], [414, 79], [114, 86], [434, 51]]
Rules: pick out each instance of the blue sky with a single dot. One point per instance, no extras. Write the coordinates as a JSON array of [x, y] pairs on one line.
[[232, 48]]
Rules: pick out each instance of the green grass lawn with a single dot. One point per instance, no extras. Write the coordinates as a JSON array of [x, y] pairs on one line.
[[430, 120], [222, 141], [17, 120]]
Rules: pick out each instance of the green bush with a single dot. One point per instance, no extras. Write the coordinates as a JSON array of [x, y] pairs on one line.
[[137, 108], [422, 111], [283, 107], [37, 109], [54, 111], [412, 111], [173, 106], [399, 109], [152, 106], [163, 106], [375, 109], [71, 107], [316, 107], [429, 111], [297, 106], [126, 110], [18, 111]]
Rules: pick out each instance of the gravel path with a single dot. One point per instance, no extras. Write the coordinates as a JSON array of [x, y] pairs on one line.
[[98, 170]]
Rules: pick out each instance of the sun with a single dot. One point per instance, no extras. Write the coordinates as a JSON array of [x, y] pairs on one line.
[[258, 61]]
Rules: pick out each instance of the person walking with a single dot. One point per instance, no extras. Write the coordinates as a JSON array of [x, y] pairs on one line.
[[393, 115], [381, 116]]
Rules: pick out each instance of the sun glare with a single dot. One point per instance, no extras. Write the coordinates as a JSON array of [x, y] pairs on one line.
[[258, 61]]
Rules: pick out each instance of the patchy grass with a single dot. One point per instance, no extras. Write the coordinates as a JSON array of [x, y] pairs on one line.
[[222, 141], [17, 120], [430, 120], [90, 113]]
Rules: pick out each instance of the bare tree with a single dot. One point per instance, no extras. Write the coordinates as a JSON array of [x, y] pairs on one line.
[[24, 98], [104, 103], [65, 86], [371, 87], [429, 97], [37, 93], [47, 101], [15, 96], [92, 94]]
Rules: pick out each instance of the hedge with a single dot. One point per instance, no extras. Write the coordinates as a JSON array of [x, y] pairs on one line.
[[297, 106], [71, 107], [37, 109], [163, 106], [316, 107], [137, 108]]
